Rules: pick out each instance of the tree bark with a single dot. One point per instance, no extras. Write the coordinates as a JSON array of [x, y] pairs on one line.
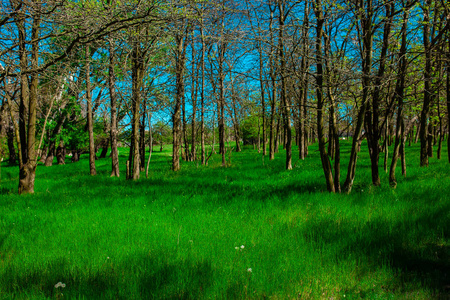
[[11, 149], [194, 90], [399, 94], [221, 77], [333, 132], [61, 154], [285, 102], [367, 31], [180, 56], [202, 98], [137, 77], [27, 106], [326, 165], [427, 87], [263, 102], [113, 98], [90, 119], [150, 143], [50, 154], [142, 137], [273, 97], [448, 100], [372, 117]]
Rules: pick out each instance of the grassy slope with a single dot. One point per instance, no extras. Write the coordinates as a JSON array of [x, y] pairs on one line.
[[174, 235]]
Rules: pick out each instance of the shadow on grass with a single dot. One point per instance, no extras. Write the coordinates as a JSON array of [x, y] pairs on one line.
[[5, 191], [139, 277], [404, 246]]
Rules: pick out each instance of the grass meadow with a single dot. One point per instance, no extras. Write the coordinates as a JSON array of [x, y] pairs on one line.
[[251, 230]]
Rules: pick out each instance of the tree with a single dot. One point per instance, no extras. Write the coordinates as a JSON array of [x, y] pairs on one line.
[[30, 24]]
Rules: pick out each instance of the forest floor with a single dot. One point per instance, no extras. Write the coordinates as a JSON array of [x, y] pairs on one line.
[[250, 230]]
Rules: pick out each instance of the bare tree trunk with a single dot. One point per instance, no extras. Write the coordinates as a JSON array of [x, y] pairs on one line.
[[402, 150], [399, 94], [263, 102], [194, 104], [104, 149], [285, 101], [372, 117], [150, 143], [326, 165], [185, 153], [11, 149], [367, 31], [305, 114], [221, 112], [90, 119], [113, 98], [273, 100], [27, 108], [427, 90], [278, 132], [385, 144], [176, 117], [236, 128], [448, 100], [333, 132], [61, 154], [142, 137], [272, 131], [133, 164], [203, 157]]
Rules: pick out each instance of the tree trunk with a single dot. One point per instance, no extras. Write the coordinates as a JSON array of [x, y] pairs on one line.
[[326, 165], [285, 101], [333, 132], [221, 112], [176, 117], [50, 154], [61, 154], [202, 96], [104, 150], [27, 170], [90, 119], [263, 102], [142, 137], [448, 100], [185, 153], [399, 94], [273, 97], [11, 149], [427, 87], [430, 137], [150, 143], [194, 91], [372, 117], [113, 98], [137, 77], [366, 23], [76, 156], [43, 154]]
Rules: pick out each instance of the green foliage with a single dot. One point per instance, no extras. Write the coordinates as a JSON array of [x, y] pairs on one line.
[[250, 127], [252, 230], [162, 132]]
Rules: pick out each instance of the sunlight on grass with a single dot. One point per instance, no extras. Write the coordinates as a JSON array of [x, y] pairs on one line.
[[250, 230]]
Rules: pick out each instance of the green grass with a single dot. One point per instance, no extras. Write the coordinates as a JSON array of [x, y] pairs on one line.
[[174, 235]]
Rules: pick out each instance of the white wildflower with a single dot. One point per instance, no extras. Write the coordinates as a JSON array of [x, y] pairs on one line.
[[60, 284], [249, 270], [242, 246]]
